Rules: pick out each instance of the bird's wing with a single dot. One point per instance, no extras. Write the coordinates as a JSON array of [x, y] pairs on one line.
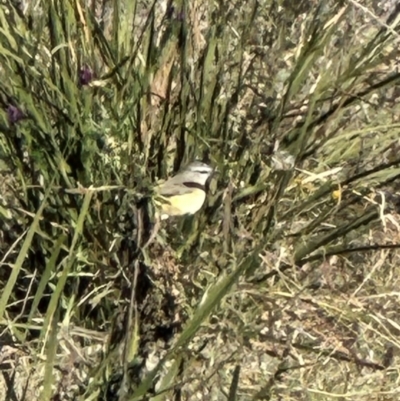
[[172, 189]]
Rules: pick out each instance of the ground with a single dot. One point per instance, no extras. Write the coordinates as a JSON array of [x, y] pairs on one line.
[[285, 284]]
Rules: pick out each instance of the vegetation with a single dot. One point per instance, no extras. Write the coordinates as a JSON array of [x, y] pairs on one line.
[[285, 285]]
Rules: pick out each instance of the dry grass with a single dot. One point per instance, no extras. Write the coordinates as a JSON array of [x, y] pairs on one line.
[[284, 286]]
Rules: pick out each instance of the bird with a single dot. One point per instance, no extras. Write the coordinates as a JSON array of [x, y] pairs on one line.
[[184, 193]]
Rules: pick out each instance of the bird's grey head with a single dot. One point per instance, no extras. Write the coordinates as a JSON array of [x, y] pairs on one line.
[[199, 167], [198, 171]]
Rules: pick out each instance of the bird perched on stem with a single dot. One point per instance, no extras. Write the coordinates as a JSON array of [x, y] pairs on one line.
[[185, 192]]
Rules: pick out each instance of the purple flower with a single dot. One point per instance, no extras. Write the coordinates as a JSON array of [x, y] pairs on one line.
[[85, 75], [170, 11], [173, 14], [14, 114]]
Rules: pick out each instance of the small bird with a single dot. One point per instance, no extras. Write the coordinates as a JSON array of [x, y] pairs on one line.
[[184, 193]]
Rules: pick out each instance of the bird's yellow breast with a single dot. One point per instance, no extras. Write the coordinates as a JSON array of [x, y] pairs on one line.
[[178, 205]]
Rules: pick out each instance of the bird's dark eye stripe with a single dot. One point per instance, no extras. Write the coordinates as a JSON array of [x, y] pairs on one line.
[[194, 185], [203, 171]]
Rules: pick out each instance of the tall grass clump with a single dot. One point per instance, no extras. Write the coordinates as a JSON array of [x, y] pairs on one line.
[[284, 286]]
